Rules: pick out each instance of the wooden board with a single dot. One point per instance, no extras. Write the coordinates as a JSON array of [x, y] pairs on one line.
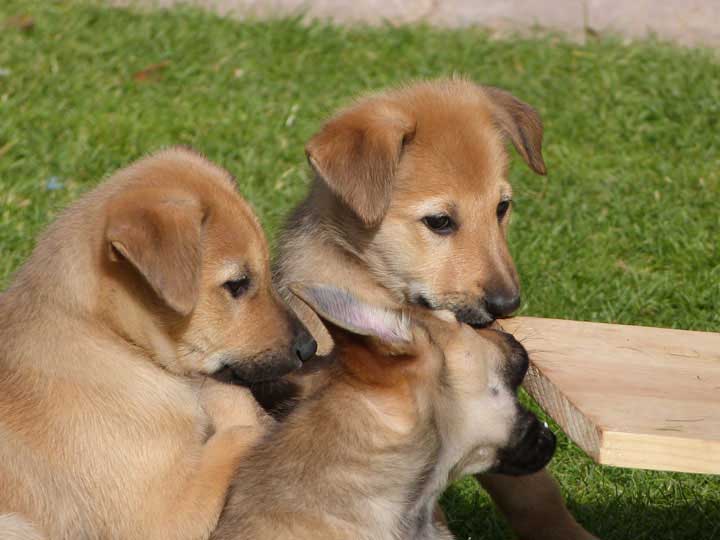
[[630, 396]]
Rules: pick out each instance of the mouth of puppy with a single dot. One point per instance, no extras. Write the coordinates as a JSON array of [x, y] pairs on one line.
[[477, 318], [472, 316], [253, 372], [422, 301], [478, 324], [225, 375], [533, 451]]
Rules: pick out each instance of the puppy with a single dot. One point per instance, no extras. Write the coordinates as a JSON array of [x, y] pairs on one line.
[[406, 405], [142, 289], [410, 204]]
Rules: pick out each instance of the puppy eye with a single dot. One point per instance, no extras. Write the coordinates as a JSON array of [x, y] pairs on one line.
[[502, 209], [237, 287], [440, 224]]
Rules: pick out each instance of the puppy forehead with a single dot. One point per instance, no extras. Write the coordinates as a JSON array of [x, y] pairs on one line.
[[432, 194], [456, 166], [476, 347], [461, 129], [233, 231]]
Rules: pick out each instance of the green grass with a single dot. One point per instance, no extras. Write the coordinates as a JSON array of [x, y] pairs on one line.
[[625, 228]]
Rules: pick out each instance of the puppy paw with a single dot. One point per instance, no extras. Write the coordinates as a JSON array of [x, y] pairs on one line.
[[231, 406]]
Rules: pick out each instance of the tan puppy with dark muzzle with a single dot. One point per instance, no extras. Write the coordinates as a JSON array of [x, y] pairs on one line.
[[133, 296], [410, 205], [406, 403]]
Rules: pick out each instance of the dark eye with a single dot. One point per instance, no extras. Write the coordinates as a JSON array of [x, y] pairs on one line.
[[237, 287], [439, 224], [502, 209]]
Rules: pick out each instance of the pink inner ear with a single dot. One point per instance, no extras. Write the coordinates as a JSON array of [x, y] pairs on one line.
[[346, 311], [378, 322]]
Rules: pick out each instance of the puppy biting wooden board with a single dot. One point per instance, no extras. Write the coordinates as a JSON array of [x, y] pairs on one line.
[[629, 396]]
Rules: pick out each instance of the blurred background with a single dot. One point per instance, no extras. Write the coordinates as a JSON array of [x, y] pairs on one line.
[[689, 22], [625, 228]]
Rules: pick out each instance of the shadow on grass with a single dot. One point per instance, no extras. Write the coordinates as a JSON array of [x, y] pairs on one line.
[[472, 516], [635, 520]]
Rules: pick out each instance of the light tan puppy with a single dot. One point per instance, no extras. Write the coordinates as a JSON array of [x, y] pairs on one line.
[[137, 292], [407, 403], [410, 205]]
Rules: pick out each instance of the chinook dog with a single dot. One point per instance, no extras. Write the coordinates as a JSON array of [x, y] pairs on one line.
[[406, 402], [410, 206], [146, 286]]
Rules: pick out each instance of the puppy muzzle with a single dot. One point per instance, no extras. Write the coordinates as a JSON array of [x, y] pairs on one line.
[[530, 449], [257, 370], [473, 313], [269, 366]]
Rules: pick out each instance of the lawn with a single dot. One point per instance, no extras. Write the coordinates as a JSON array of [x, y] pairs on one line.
[[625, 228]]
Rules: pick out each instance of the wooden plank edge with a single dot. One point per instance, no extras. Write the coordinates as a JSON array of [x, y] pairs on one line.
[[621, 449], [660, 453], [574, 423]]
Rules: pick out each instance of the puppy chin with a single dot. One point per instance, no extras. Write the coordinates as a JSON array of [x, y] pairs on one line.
[[476, 317], [473, 314], [254, 370], [480, 460]]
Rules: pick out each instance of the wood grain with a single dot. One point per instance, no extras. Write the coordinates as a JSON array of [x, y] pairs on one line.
[[629, 396]]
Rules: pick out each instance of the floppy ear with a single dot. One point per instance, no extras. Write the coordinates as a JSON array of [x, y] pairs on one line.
[[521, 124], [341, 309], [357, 154], [159, 233]]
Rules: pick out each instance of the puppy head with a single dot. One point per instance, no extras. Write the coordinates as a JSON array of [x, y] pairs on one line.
[[462, 382], [188, 271], [424, 171], [478, 410]]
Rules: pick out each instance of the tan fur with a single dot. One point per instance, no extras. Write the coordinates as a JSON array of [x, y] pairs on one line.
[[14, 527], [408, 404], [380, 166], [106, 335]]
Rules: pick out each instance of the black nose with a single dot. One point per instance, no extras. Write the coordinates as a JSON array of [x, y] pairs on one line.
[[305, 346], [517, 362], [502, 304]]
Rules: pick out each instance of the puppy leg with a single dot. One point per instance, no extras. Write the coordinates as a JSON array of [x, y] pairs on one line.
[[14, 527], [232, 406], [534, 506], [196, 511]]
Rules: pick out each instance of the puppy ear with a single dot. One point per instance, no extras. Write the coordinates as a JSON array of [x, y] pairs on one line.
[[357, 153], [159, 234], [341, 309], [521, 124]]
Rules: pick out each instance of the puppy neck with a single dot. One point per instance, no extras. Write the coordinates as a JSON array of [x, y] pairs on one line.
[[406, 471], [60, 274], [402, 410], [324, 242], [372, 455], [135, 323]]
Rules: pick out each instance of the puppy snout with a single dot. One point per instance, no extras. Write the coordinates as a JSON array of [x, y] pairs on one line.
[[531, 447], [518, 361], [304, 345], [253, 370], [502, 302]]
